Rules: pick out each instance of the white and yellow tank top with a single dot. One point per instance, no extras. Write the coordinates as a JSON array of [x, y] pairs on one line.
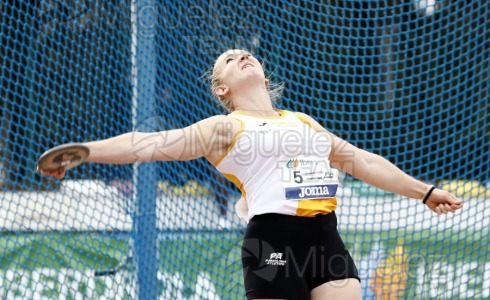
[[281, 165]]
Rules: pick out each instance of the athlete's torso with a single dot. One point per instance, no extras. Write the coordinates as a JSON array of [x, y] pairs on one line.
[[281, 166]]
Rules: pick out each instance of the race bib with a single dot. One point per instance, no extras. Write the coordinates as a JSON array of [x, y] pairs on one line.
[[307, 177]]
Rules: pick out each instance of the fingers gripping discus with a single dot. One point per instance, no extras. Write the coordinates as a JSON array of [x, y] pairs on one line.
[[67, 156]]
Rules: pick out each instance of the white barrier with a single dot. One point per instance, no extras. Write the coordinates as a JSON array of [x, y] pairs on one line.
[[93, 205]]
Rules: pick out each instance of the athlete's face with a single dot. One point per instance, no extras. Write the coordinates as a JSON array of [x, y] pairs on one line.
[[237, 69]]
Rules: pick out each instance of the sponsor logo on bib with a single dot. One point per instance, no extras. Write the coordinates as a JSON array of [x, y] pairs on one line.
[[311, 192]]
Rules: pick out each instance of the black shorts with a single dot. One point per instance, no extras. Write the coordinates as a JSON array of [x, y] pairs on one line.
[[285, 257]]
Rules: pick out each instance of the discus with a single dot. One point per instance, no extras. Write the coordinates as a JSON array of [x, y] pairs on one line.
[[66, 156]]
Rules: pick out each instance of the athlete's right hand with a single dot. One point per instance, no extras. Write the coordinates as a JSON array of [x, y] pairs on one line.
[[57, 174]]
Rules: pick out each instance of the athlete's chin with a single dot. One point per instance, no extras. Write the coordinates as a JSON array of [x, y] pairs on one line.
[[252, 78]]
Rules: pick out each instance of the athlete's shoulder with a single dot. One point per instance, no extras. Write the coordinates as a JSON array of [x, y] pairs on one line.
[[305, 118], [221, 124], [309, 120], [217, 119]]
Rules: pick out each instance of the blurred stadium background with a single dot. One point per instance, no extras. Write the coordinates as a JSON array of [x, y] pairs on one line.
[[406, 79]]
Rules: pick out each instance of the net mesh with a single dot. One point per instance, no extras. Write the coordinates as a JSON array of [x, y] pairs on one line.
[[404, 79]]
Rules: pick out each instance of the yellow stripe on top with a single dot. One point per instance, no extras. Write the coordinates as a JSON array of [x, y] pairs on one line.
[[302, 118], [313, 207], [232, 144], [310, 208], [236, 182]]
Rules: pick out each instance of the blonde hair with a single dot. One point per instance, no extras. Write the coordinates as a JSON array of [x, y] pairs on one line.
[[274, 89]]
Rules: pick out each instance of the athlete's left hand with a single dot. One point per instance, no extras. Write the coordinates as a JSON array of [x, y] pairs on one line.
[[443, 202]]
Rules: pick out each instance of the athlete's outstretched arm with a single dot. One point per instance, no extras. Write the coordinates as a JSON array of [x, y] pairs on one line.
[[208, 138], [379, 172]]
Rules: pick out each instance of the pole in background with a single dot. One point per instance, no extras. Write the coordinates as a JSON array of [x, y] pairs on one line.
[[143, 20]]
